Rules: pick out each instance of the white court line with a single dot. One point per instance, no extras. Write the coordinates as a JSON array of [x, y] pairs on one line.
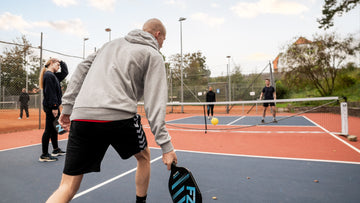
[[110, 180], [236, 120], [249, 132], [263, 157], [181, 118], [332, 134], [3, 150]]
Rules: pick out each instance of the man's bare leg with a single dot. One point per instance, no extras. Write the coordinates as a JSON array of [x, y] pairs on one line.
[[274, 111], [142, 177], [264, 113], [69, 185]]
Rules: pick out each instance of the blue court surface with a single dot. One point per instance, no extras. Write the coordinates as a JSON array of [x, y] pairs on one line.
[[230, 178], [246, 121]]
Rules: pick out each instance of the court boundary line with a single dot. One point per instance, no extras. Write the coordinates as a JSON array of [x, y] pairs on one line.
[[237, 131], [181, 118], [110, 180], [333, 135], [267, 157], [3, 150], [242, 117], [236, 120]]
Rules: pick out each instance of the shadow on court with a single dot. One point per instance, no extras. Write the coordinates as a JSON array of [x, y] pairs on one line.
[[230, 178]]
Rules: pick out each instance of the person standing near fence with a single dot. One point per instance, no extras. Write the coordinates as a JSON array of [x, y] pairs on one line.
[[50, 80], [269, 93], [210, 97], [24, 103]]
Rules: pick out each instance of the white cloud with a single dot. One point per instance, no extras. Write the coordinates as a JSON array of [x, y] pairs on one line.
[[258, 57], [206, 19], [105, 5], [65, 3], [282, 7], [137, 25], [214, 5], [9, 21], [74, 26], [178, 3]]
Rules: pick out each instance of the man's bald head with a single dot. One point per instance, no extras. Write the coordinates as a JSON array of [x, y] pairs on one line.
[[153, 25], [157, 29]]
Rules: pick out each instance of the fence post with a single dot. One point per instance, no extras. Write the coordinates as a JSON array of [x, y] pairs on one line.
[[41, 49]]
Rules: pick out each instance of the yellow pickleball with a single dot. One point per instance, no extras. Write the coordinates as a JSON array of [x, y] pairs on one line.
[[214, 121]]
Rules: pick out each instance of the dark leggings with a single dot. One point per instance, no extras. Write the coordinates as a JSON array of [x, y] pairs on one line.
[[50, 131], [210, 109], [22, 108]]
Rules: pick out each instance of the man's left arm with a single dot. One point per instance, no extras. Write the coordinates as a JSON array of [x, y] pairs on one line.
[[155, 98], [274, 94]]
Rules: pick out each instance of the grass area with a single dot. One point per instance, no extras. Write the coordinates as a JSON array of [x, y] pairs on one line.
[[352, 93]]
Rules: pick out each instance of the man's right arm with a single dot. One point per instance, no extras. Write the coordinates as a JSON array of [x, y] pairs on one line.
[[75, 84]]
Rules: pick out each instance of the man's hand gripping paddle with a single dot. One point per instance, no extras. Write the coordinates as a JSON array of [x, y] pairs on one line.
[[182, 186]]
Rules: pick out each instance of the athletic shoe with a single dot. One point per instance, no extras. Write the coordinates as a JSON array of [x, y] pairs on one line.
[[19, 118], [47, 158], [58, 152], [262, 121], [27, 117], [275, 121]]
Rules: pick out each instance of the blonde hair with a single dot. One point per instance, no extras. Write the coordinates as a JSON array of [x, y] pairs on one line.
[[42, 71]]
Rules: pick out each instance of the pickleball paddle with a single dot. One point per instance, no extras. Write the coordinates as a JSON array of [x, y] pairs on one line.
[[58, 127], [182, 186]]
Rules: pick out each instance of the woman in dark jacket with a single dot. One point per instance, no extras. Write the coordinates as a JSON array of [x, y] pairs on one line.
[[50, 80]]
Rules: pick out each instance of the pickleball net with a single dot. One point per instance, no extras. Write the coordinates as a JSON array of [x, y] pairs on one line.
[[298, 112]]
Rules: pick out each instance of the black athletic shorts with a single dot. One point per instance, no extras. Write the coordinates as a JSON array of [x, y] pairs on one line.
[[88, 142], [267, 104]]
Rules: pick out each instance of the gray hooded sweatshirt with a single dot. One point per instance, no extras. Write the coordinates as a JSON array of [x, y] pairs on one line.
[[108, 84]]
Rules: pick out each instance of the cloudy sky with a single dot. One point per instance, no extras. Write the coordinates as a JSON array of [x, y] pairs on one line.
[[252, 32]]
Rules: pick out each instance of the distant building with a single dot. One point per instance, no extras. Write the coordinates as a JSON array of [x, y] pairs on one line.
[[279, 64]]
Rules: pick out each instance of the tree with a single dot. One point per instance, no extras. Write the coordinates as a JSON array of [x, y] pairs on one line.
[[195, 75], [14, 61], [317, 63], [194, 69], [332, 7]]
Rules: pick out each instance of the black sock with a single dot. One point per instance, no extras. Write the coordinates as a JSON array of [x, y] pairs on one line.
[[141, 199]]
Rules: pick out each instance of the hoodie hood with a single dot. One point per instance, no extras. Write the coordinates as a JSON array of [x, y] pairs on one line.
[[142, 37]]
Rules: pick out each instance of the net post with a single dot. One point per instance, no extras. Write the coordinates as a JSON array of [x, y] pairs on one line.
[[344, 119], [205, 119]]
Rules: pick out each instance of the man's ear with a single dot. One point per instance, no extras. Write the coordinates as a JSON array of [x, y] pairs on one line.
[[157, 34]]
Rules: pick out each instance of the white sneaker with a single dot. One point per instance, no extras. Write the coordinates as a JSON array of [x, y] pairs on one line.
[[19, 118]]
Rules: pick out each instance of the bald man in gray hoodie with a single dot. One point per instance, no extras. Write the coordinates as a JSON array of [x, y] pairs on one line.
[[100, 108]]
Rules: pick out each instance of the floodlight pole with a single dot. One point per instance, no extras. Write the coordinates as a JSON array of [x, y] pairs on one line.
[[181, 65], [109, 31], [84, 47]]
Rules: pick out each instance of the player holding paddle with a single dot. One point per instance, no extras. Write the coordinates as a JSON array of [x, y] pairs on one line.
[[102, 99]]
